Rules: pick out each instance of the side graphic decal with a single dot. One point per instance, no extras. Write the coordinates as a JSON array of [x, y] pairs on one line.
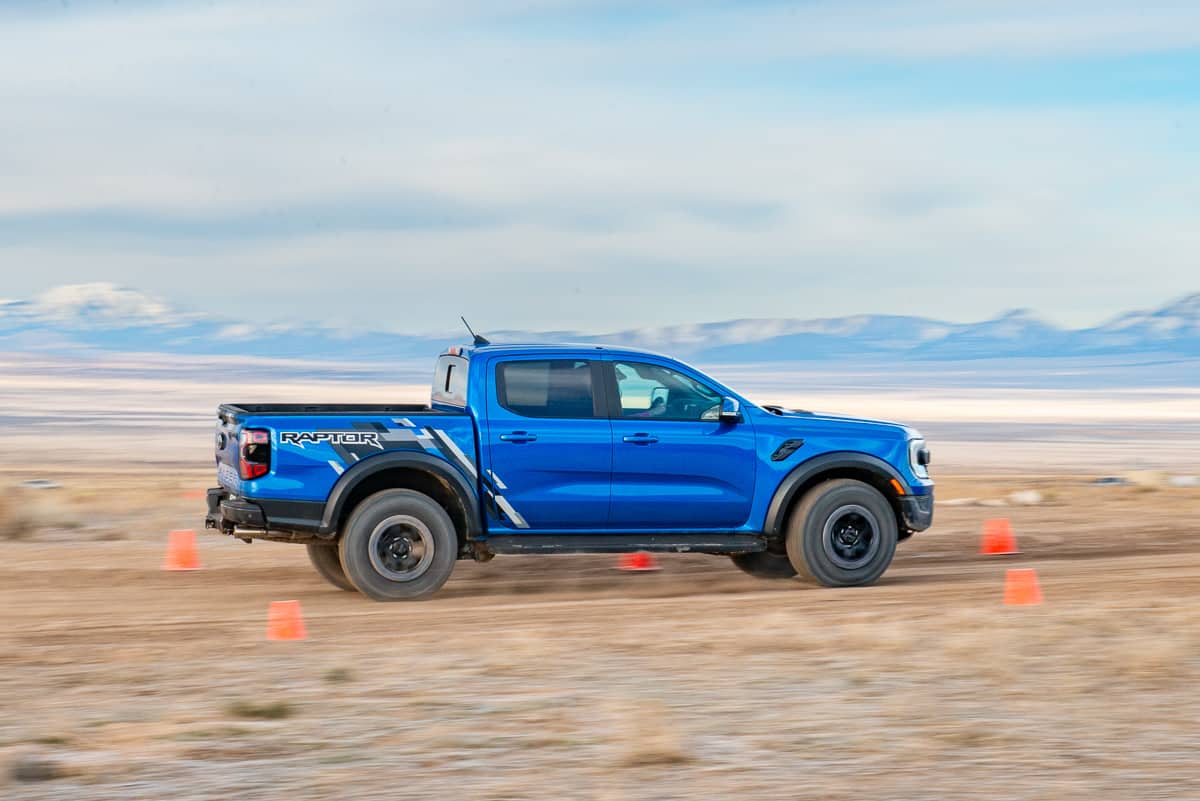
[[333, 437], [372, 437]]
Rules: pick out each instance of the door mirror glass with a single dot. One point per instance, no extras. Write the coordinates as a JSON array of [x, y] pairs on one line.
[[731, 410]]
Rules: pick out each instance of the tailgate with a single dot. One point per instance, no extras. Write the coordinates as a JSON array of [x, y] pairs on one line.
[[229, 430]]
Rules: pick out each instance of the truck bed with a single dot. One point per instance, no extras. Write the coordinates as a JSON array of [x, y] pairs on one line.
[[232, 411], [310, 446]]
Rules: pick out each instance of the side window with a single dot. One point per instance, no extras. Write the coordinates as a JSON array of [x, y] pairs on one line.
[[549, 388], [647, 390], [450, 380]]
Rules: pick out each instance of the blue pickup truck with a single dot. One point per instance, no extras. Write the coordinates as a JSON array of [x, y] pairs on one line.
[[567, 449]]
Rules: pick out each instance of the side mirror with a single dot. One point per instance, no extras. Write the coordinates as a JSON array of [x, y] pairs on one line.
[[731, 411]]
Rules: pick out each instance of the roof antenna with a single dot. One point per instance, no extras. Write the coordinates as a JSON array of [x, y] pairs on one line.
[[478, 339]]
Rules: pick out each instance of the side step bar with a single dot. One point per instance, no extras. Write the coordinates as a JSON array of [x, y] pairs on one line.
[[625, 543]]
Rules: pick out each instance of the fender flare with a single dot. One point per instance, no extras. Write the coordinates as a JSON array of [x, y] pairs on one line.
[[785, 493], [412, 460]]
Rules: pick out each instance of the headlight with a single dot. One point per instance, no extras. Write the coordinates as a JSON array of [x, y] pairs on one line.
[[918, 457]]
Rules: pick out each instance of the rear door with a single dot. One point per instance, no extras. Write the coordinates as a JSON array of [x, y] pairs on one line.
[[676, 467], [549, 443]]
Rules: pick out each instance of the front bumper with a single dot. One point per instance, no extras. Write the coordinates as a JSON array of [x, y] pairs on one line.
[[226, 513], [917, 511]]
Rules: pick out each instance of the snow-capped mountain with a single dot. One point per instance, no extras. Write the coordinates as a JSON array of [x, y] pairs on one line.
[[103, 317], [1174, 323]]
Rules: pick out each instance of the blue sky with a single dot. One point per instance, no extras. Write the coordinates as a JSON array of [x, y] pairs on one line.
[[600, 165]]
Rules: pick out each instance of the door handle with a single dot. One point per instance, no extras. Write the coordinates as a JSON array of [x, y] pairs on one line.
[[518, 437], [640, 439]]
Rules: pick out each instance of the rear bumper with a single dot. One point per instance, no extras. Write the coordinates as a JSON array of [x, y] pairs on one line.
[[226, 513], [917, 511], [264, 519]]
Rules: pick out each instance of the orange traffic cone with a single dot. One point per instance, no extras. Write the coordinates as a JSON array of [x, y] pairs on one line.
[[181, 551], [284, 621], [998, 537], [1021, 587], [639, 562]]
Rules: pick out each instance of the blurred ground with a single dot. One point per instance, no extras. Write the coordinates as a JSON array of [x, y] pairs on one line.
[[159, 411], [560, 678]]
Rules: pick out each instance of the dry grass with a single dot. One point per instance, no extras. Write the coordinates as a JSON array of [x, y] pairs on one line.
[[645, 735], [16, 523], [105, 508], [35, 768], [522, 652], [261, 710], [26, 512], [1155, 662], [52, 739], [339, 675]]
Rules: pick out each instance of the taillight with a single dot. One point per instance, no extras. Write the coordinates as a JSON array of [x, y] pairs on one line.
[[255, 460]]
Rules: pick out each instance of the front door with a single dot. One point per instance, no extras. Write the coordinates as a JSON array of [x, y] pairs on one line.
[[676, 466], [549, 443]]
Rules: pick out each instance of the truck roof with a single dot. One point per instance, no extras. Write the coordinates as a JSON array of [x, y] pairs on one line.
[[508, 349]]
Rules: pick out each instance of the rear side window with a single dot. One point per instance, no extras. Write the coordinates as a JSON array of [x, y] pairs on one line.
[[450, 380], [546, 388]]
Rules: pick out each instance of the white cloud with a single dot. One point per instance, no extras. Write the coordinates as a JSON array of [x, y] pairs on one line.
[[102, 303]]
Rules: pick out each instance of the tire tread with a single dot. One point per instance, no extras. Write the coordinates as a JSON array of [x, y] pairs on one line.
[[802, 538], [328, 564], [352, 546]]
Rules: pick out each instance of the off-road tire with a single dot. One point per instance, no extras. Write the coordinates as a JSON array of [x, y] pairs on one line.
[[764, 564], [324, 557], [380, 540], [828, 528]]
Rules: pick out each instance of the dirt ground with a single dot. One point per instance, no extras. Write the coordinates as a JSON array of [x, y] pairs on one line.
[[562, 678]]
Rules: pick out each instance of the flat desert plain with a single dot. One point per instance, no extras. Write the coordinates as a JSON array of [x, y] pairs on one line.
[[562, 678]]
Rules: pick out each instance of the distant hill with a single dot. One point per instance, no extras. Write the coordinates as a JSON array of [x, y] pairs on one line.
[[102, 317]]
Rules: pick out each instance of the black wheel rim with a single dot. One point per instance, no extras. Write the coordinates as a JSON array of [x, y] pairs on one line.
[[850, 537], [401, 548]]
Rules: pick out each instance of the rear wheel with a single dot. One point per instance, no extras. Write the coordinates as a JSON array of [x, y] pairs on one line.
[[398, 545], [324, 557], [764, 564], [842, 534]]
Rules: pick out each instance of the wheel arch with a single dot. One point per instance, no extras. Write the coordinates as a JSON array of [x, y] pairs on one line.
[[416, 471], [864, 467]]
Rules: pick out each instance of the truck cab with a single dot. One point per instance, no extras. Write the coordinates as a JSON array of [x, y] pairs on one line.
[[568, 449]]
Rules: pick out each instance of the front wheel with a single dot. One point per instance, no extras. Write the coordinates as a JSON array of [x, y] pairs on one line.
[[398, 545], [764, 564], [842, 534], [324, 557]]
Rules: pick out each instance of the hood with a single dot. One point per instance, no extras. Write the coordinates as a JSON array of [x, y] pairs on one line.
[[807, 419]]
